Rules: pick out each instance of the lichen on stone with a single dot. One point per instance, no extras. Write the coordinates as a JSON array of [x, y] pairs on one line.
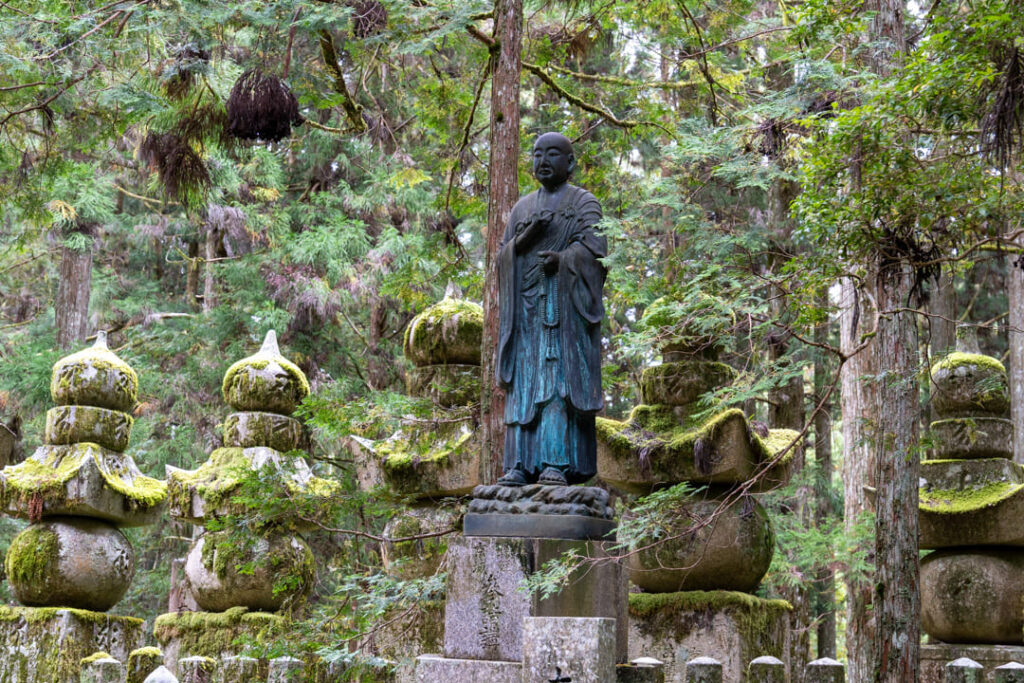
[[958, 359], [265, 381], [94, 376], [95, 657], [211, 634], [450, 331], [32, 556], [753, 616], [965, 500]]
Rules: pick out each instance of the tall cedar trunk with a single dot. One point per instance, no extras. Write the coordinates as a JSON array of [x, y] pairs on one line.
[[825, 600], [856, 404], [942, 322], [506, 67], [895, 442], [73, 290], [209, 254], [192, 277], [1015, 294]]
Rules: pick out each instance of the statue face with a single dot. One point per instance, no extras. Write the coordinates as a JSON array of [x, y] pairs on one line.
[[553, 160]]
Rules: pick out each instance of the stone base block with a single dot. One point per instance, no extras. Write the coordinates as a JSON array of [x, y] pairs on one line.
[[436, 669], [401, 640], [732, 627], [485, 607], [211, 634], [935, 656], [566, 649], [46, 645]]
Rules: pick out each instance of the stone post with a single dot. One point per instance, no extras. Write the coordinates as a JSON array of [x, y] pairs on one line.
[[641, 670], [766, 670], [703, 670], [285, 670], [238, 669], [1011, 672], [825, 670], [103, 670], [965, 670], [161, 675], [143, 662], [196, 669], [577, 649]]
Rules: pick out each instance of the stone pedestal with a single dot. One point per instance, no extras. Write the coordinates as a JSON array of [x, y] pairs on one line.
[[485, 606], [732, 627], [566, 649], [211, 634], [47, 645], [935, 657], [436, 669]]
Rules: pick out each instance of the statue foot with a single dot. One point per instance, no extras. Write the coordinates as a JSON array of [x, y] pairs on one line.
[[552, 477], [514, 477]]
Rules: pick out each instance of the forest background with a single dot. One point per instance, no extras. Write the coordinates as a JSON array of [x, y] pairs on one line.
[[825, 186]]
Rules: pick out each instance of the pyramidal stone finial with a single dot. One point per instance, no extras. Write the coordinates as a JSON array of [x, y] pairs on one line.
[[101, 340], [452, 291], [967, 339], [270, 344]]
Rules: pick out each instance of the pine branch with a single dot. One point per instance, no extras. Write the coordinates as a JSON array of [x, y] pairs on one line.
[[353, 110]]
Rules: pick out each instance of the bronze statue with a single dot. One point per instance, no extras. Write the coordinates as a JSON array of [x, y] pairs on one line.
[[549, 349]]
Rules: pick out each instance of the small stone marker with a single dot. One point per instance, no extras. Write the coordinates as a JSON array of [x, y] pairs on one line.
[[285, 670], [196, 669], [143, 662], [568, 649], [103, 670], [704, 670], [766, 670], [239, 669], [965, 670], [1011, 672], [825, 670], [161, 675]]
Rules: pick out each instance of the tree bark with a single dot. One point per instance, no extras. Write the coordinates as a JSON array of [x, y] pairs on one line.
[[1015, 296], [942, 323], [71, 310], [192, 277], [210, 253], [825, 600], [506, 67]]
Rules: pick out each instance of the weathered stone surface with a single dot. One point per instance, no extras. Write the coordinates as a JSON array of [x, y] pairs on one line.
[[703, 670], [651, 449], [1011, 672], [445, 385], [683, 382], [971, 503], [450, 331], [47, 645], [285, 670], [581, 650], [94, 377], [162, 675], [83, 480], [766, 669], [430, 464], [964, 670], [70, 562], [567, 527], [731, 627], [973, 595], [212, 634], [88, 424], [540, 499], [237, 668], [965, 384], [972, 437], [825, 670], [279, 561], [245, 430], [935, 656], [143, 662], [407, 634], [435, 669], [103, 670], [265, 381], [640, 670], [708, 548], [485, 609], [420, 558], [196, 669]]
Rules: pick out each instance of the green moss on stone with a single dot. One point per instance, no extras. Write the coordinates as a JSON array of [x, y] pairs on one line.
[[958, 359], [210, 634], [96, 657], [450, 331], [146, 652], [243, 391], [33, 555], [94, 376], [680, 611], [42, 615], [959, 501]]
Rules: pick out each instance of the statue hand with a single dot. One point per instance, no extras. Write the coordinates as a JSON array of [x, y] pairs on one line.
[[550, 259], [534, 229]]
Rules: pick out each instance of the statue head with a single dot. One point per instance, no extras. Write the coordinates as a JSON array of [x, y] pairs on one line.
[[553, 160]]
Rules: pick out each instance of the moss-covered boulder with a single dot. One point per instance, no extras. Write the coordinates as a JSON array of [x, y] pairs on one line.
[[970, 503], [714, 545], [652, 448], [70, 562], [972, 437], [244, 430], [85, 480], [88, 424], [47, 645], [974, 595], [449, 332], [683, 382], [970, 384], [94, 377], [215, 634], [227, 569], [265, 381], [445, 385], [418, 558]]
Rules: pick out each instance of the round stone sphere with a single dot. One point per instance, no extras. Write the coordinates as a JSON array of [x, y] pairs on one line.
[[94, 377], [279, 561], [973, 595], [732, 551], [967, 384], [265, 381], [449, 332], [70, 562]]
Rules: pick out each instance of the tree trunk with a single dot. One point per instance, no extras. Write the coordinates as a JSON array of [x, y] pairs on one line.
[[825, 600], [504, 191], [192, 277], [856, 403], [895, 442], [71, 310], [210, 253], [942, 323], [1015, 296]]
